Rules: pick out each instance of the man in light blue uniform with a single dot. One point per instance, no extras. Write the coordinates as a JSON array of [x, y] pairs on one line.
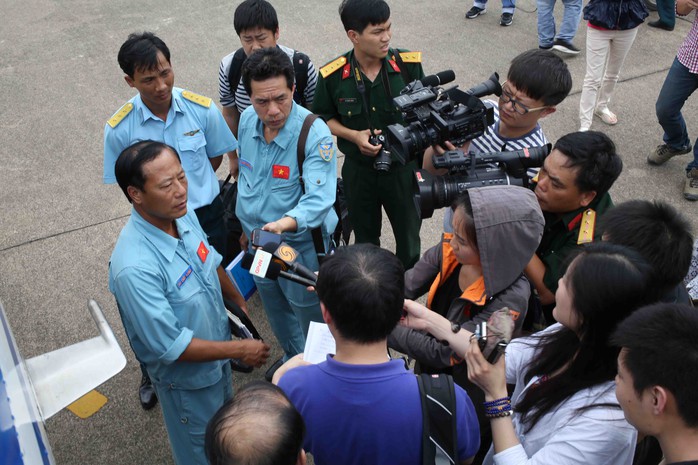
[[270, 194], [169, 285], [182, 119], [189, 122]]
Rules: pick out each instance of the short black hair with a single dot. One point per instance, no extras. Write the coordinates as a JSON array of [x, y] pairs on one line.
[[363, 288], [658, 232], [129, 166], [357, 15], [255, 13], [140, 53], [660, 350], [594, 155], [267, 63], [259, 426], [541, 75]]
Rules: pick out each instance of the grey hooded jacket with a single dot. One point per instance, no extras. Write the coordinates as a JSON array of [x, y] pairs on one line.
[[509, 225]]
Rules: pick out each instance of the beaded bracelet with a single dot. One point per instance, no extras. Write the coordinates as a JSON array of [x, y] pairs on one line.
[[499, 415], [496, 402], [498, 407]]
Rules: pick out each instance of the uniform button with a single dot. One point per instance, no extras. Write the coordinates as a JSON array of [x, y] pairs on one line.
[[348, 113], [184, 420], [318, 181], [374, 108]]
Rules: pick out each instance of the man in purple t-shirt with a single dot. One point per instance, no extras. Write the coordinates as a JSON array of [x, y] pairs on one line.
[[359, 406]]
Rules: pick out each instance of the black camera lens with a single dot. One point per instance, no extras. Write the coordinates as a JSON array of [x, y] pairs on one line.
[[382, 161]]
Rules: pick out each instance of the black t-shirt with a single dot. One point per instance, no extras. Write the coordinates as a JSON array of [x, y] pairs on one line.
[[448, 292]]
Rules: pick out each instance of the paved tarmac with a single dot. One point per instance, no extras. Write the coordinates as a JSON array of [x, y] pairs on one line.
[[60, 83]]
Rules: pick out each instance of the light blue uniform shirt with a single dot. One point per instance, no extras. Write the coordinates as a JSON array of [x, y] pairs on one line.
[[197, 132], [168, 295], [269, 186]]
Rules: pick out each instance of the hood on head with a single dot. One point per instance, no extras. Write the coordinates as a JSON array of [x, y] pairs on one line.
[[509, 225]]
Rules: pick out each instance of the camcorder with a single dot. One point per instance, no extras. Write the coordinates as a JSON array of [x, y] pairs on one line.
[[434, 115], [472, 170]]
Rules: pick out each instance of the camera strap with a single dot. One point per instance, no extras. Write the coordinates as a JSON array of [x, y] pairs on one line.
[[361, 86]]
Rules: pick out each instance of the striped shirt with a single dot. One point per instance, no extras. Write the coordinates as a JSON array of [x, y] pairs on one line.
[[240, 99], [688, 52], [491, 141]]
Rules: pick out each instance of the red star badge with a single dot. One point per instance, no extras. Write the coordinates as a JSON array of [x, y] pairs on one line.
[[202, 252], [280, 171]]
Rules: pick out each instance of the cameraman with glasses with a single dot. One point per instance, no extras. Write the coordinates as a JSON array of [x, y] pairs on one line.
[[537, 81]]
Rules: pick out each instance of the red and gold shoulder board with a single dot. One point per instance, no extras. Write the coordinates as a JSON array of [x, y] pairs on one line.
[[333, 66], [586, 227], [411, 57]]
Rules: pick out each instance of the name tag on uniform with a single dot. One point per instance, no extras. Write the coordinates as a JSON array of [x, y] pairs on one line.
[[183, 278], [245, 163]]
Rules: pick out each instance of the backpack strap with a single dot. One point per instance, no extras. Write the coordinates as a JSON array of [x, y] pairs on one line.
[[300, 69], [300, 152], [439, 440], [235, 70]]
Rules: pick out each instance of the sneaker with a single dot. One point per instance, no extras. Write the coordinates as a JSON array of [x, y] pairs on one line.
[[545, 47], [507, 19], [690, 189], [663, 153], [565, 47], [474, 12]]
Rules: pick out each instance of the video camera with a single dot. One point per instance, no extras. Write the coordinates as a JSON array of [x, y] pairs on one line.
[[434, 115], [473, 170]]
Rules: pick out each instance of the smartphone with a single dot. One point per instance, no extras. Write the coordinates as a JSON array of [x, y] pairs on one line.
[[260, 238]]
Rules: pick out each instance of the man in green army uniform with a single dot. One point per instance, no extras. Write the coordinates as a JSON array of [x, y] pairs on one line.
[[572, 191], [355, 96]]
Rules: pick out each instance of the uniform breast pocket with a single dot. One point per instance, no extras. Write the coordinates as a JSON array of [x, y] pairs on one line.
[[186, 301], [349, 109], [390, 114], [192, 150]]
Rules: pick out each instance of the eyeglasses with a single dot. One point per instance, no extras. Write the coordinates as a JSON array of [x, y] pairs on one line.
[[518, 107]]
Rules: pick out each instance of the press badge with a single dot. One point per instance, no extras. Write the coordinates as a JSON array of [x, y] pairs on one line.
[[183, 278]]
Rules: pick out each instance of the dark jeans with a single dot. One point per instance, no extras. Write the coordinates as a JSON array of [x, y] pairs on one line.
[[666, 11], [679, 84], [211, 220]]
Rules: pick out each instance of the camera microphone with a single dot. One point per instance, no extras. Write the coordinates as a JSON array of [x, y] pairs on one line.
[[438, 79], [262, 264]]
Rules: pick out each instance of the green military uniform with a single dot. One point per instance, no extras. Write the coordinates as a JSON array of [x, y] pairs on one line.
[[367, 190], [565, 233]]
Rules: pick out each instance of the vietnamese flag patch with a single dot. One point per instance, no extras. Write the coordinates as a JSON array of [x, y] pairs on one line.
[[280, 172], [202, 252]]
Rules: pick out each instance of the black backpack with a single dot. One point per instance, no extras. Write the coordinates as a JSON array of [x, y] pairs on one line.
[[439, 439], [300, 68]]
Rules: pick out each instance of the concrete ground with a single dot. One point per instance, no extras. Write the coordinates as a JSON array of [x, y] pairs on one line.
[[61, 82]]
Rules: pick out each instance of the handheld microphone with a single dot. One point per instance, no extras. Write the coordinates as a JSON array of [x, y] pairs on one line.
[[288, 256], [263, 265], [438, 79]]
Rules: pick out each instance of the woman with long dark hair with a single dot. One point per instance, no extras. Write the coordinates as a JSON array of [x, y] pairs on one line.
[[563, 409]]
